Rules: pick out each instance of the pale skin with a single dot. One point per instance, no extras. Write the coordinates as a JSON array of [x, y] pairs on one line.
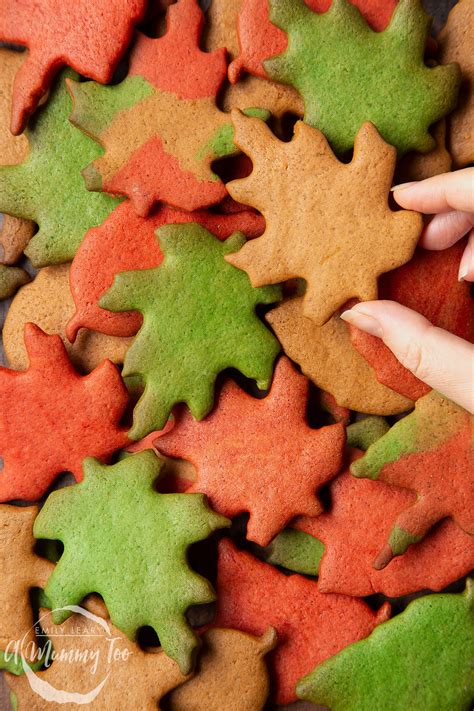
[[438, 358]]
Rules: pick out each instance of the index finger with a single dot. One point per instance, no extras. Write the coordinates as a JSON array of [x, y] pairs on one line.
[[442, 193]]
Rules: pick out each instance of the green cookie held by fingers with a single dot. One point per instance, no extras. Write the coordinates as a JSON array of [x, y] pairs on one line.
[[48, 186], [125, 541], [199, 318], [348, 74], [420, 660]]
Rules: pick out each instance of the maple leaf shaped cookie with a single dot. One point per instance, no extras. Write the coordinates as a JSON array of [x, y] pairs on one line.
[[52, 417], [259, 456], [147, 157], [429, 452], [348, 74], [327, 222], [148, 580], [35, 189], [429, 285], [11, 278], [198, 319], [420, 660], [353, 531], [56, 33], [252, 595], [20, 571], [125, 242], [134, 679]]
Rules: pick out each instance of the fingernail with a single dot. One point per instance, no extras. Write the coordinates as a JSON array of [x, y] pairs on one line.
[[366, 323], [466, 262], [403, 186]]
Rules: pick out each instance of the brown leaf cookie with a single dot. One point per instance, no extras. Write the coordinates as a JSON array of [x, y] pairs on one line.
[[326, 356], [48, 303], [231, 673], [134, 679], [14, 233], [455, 41], [20, 571], [11, 278], [327, 222], [420, 166]]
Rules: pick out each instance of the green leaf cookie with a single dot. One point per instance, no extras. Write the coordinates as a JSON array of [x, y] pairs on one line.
[[420, 660], [48, 187], [128, 543], [348, 74], [198, 319]]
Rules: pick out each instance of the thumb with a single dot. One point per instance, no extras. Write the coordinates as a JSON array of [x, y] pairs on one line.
[[437, 357]]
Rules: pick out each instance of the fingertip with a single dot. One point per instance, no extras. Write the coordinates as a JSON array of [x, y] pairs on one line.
[[466, 266]]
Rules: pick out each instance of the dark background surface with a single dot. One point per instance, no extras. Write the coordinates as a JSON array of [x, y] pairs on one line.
[[439, 9]]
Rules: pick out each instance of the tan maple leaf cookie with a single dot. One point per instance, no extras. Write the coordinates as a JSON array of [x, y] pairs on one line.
[[328, 358], [327, 222], [455, 42]]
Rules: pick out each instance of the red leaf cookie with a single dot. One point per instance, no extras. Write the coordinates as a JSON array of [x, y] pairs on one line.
[[259, 39], [355, 529], [126, 242], [428, 284], [52, 418], [311, 626], [90, 37], [429, 452], [259, 455]]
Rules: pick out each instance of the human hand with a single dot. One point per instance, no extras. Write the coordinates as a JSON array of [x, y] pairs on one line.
[[440, 359]]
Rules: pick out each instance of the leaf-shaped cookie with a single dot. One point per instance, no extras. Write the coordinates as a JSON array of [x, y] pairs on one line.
[[327, 222], [20, 571], [87, 651], [148, 157], [258, 455], [327, 357], [311, 626], [353, 531], [143, 578], [52, 417], [76, 33], [11, 278], [36, 188], [428, 284], [259, 39], [429, 452], [14, 232], [348, 74], [232, 673], [125, 242], [198, 319], [420, 660]]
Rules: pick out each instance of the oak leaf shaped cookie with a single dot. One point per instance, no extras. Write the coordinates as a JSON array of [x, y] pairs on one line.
[[56, 33], [198, 319], [11, 278], [259, 39], [252, 595], [328, 358], [52, 417], [348, 74], [420, 660], [232, 673], [146, 581], [258, 455], [429, 285], [327, 222], [148, 157], [429, 452], [20, 571], [355, 528], [36, 188], [134, 679], [125, 242]]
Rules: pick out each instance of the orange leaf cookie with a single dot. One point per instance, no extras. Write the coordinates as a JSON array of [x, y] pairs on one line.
[[52, 418], [327, 222], [259, 455]]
